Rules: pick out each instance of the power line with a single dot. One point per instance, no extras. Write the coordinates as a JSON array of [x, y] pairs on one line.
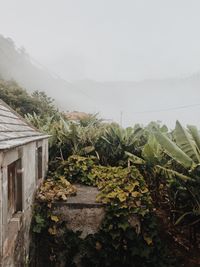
[[167, 109]]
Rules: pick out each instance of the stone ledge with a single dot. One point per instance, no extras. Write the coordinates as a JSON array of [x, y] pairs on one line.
[[85, 198], [81, 212], [78, 205]]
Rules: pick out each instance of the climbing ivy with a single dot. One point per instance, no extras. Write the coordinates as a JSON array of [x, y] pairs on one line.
[[77, 169], [55, 189], [129, 234]]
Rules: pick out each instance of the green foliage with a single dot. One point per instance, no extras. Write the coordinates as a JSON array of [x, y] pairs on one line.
[[108, 142], [152, 151], [90, 120], [118, 244], [135, 169], [173, 150], [125, 188], [17, 97], [115, 141], [183, 183], [195, 134], [39, 224], [128, 235], [186, 142], [78, 169], [52, 190]]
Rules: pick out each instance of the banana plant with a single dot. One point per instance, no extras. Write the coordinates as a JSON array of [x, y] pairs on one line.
[[176, 157], [116, 140], [184, 149]]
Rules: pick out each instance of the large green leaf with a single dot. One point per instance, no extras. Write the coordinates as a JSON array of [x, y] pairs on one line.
[[151, 151], [171, 173], [173, 150], [195, 134], [186, 142], [135, 159]]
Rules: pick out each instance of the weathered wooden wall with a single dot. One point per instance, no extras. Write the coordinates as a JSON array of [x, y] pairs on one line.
[[14, 231]]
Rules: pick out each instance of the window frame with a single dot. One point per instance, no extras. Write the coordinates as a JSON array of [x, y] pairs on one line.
[[39, 162], [14, 188]]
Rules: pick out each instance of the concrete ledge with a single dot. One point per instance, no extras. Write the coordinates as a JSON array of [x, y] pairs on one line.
[[85, 198], [81, 212], [85, 195], [78, 205]]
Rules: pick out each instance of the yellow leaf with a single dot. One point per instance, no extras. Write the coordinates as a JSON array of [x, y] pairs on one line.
[[54, 218], [148, 240], [122, 197], [112, 195], [52, 231], [145, 190], [161, 186], [63, 197], [135, 194]]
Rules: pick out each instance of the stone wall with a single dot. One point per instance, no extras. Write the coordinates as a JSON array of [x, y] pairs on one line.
[[80, 213]]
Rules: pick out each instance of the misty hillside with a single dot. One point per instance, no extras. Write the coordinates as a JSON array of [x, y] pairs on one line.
[[16, 64], [110, 98]]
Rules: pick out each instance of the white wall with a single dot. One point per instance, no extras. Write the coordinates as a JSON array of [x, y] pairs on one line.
[[28, 155], [29, 173]]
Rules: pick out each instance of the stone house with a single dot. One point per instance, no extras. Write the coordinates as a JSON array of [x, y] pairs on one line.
[[23, 165]]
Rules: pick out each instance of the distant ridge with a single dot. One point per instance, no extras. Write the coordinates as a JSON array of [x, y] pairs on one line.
[[110, 97], [16, 64]]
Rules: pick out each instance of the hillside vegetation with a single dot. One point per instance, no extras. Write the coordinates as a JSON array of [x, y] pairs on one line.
[[148, 177], [24, 103]]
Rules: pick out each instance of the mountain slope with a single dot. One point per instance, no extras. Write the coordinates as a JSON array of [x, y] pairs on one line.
[[129, 102], [16, 64]]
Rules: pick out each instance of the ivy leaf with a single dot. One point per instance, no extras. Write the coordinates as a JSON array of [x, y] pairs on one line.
[[54, 218], [52, 231], [122, 197], [145, 190], [135, 194], [39, 219], [148, 240]]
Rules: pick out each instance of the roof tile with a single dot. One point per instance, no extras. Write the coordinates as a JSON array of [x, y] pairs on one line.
[[14, 130]]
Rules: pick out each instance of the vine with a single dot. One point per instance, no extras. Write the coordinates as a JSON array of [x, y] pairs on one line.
[[129, 233]]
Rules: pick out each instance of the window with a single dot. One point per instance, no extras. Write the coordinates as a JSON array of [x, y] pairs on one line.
[[14, 188], [40, 162]]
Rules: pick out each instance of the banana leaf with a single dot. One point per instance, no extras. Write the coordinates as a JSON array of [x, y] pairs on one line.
[[186, 142], [172, 174], [135, 159], [173, 150], [195, 134], [151, 151]]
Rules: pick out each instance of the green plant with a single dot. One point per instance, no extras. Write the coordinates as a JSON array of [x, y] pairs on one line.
[[128, 235], [77, 169]]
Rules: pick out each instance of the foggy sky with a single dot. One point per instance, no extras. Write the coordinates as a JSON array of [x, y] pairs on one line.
[[107, 39], [115, 40]]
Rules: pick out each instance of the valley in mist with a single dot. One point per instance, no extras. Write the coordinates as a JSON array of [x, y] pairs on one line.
[[126, 102]]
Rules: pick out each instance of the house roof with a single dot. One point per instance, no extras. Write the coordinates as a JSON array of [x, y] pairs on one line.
[[14, 130]]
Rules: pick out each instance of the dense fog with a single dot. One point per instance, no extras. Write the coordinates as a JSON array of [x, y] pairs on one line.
[[132, 61]]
